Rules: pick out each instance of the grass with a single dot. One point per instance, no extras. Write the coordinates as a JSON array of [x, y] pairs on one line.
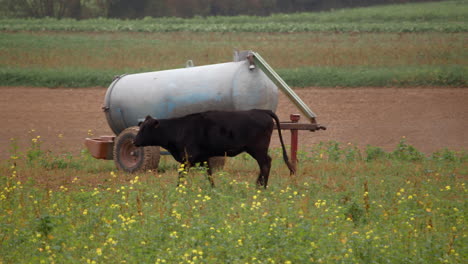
[[302, 77], [62, 59], [443, 16], [345, 206], [377, 77], [158, 51]]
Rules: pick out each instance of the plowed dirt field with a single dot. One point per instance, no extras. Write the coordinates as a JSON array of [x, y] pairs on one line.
[[430, 118]]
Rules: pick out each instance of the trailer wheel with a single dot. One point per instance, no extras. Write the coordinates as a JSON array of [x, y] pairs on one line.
[[131, 159]]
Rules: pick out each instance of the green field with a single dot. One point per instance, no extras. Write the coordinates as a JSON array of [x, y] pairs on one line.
[[410, 45], [57, 59], [343, 206], [444, 16]]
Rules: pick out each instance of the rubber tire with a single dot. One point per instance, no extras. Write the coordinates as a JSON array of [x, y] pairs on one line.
[[131, 159]]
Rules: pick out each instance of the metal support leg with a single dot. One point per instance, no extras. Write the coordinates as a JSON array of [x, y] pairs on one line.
[[294, 140]]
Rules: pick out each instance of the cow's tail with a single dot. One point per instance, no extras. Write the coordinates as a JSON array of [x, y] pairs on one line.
[[285, 154]]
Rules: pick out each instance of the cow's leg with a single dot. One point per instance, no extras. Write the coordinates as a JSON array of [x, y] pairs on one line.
[[180, 178], [209, 172], [264, 163], [186, 161], [183, 170]]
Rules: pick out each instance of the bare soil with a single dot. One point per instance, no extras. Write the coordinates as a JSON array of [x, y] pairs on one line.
[[430, 118]]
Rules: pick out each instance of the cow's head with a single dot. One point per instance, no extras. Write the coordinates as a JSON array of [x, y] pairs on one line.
[[148, 133]]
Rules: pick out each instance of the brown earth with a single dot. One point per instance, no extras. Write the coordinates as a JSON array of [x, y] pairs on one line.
[[430, 118]]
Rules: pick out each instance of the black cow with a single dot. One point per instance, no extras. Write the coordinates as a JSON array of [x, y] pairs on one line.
[[195, 138]]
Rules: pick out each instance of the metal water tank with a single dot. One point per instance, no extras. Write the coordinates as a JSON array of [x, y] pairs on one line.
[[174, 93]]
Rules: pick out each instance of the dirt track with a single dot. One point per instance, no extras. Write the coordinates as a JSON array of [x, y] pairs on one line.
[[430, 118]]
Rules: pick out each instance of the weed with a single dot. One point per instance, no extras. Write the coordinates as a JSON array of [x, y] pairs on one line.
[[406, 152], [45, 225], [355, 213], [449, 155], [374, 153]]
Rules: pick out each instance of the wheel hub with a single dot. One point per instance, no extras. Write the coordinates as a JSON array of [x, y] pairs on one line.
[[130, 155]]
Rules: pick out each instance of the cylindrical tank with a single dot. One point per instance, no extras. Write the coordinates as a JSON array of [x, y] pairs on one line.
[[174, 93]]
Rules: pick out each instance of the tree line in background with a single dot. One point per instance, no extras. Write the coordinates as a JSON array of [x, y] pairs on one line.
[[131, 9]]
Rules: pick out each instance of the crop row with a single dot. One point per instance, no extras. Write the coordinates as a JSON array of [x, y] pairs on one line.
[[454, 76], [137, 26]]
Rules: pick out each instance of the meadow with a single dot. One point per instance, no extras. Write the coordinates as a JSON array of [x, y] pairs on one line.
[[411, 45], [345, 205]]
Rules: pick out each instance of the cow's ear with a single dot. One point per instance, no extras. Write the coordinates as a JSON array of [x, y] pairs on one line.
[[139, 123], [148, 117]]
